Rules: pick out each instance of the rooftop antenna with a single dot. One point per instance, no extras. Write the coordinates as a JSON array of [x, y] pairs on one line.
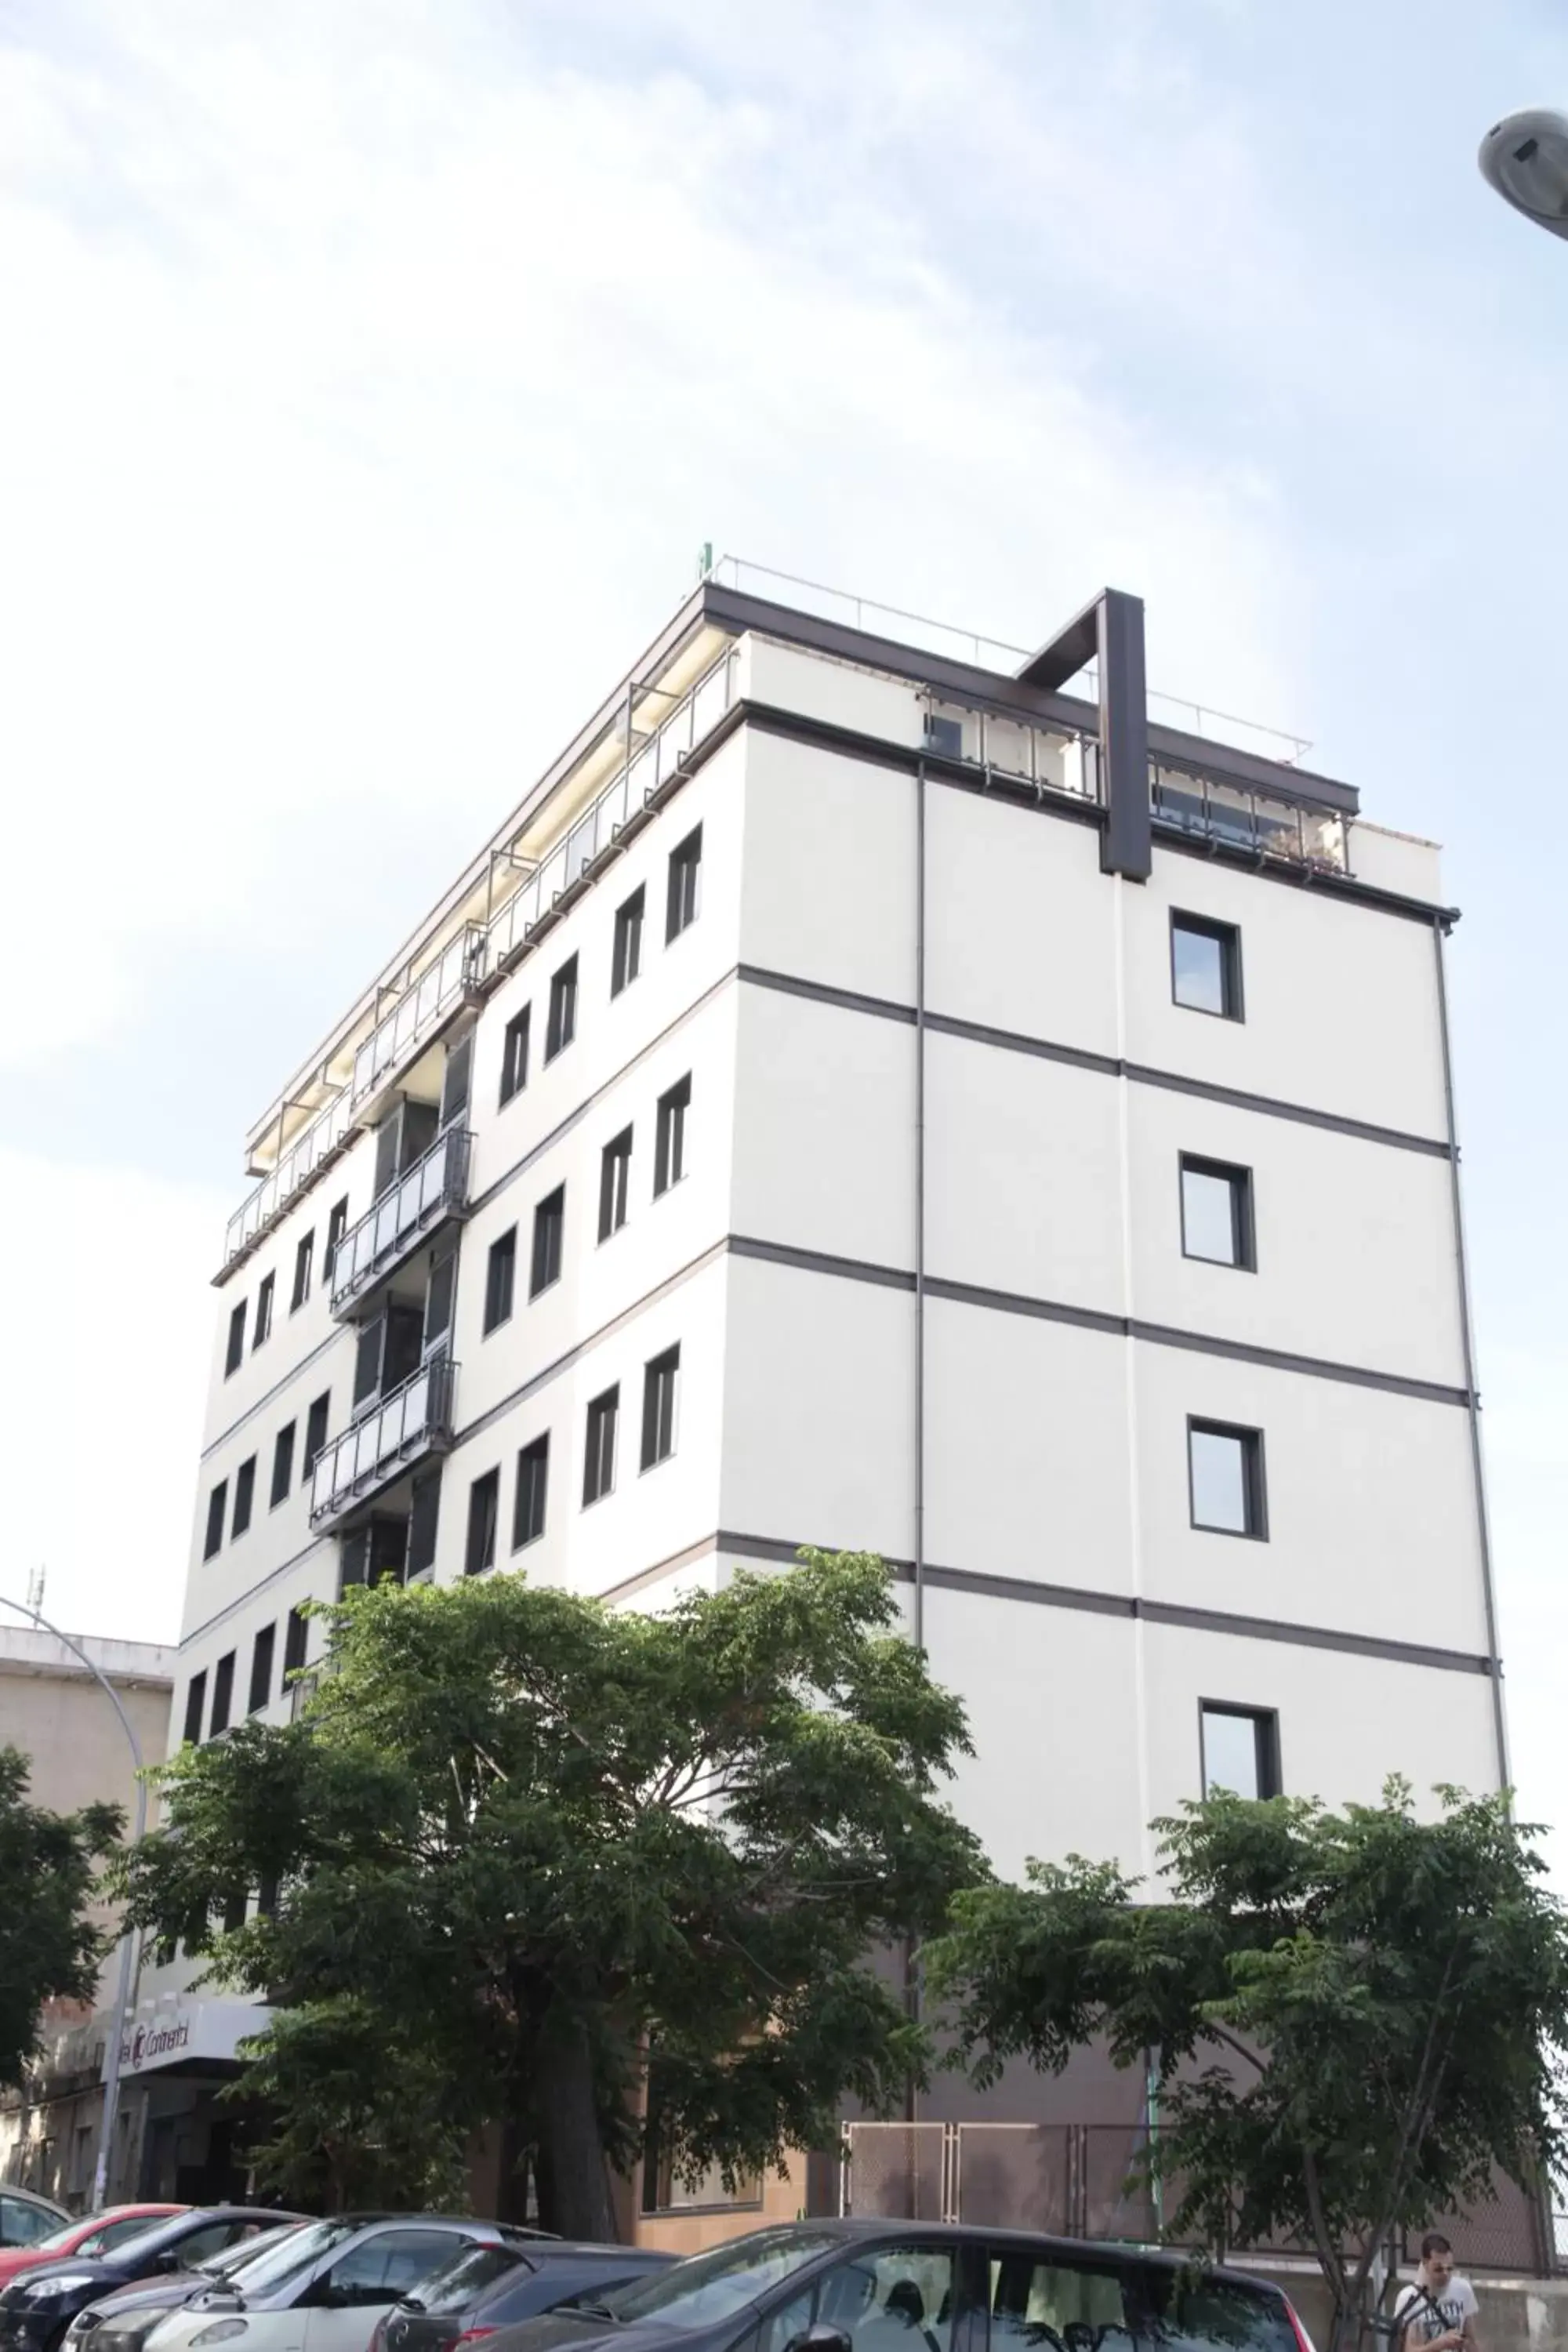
[[35, 1587]]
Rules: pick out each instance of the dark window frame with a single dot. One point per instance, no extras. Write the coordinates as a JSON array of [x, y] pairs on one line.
[[604, 1410], [561, 1022], [625, 953], [318, 1411], [659, 1404], [195, 1708], [337, 1226], [514, 1052], [1265, 1722], [683, 886], [217, 1520], [1227, 938], [304, 1267], [244, 1498], [223, 1694], [670, 1114], [614, 1183], [549, 1220], [233, 1349], [1243, 1224], [261, 1331], [483, 1530], [263, 1658], [1255, 1488], [296, 1643], [534, 1456], [500, 1282], [282, 1485]]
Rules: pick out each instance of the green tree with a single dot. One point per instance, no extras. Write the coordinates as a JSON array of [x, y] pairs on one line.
[[1356, 2018], [49, 1948], [521, 1839]]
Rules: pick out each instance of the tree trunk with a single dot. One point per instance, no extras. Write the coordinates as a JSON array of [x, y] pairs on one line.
[[573, 2178]]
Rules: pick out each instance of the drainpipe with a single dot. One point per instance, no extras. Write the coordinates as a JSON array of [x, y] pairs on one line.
[[919, 1199]]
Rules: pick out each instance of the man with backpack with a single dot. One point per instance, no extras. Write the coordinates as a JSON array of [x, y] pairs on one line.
[[1438, 2313]]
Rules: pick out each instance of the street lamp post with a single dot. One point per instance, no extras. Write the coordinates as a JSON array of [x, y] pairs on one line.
[[1525, 158], [122, 1994]]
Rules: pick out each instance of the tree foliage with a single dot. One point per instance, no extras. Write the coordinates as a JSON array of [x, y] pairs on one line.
[[521, 1838], [1357, 2018], [49, 1946]]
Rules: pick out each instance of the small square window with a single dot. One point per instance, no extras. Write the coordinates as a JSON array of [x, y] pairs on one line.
[[500, 1278], [599, 1454], [282, 1464], [263, 1312], [627, 959], [944, 736], [1225, 1471], [218, 1505], [233, 1355], [261, 1668], [1240, 1750], [532, 1486], [561, 1025], [223, 1694], [315, 1431], [1216, 1213], [484, 1505], [684, 900], [614, 1183], [659, 1381], [549, 1230], [669, 1136], [196, 1707], [514, 1055], [243, 1495], [1205, 966], [337, 1226], [304, 1253]]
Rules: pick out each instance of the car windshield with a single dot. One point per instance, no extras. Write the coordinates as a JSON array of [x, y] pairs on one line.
[[454, 2286], [230, 2261], [280, 2262], [708, 2287]]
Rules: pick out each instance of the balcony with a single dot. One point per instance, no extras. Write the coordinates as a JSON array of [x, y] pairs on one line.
[[422, 1198], [1266, 828], [403, 1427]]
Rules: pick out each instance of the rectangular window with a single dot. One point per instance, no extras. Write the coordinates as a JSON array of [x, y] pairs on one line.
[[196, 1707], [626, 960], [315, 1431], [599, 1456], [533, 1482], [261, 1668], [1216, 1213], [684, 899], [233, 1355], [1205, 966], [561, 1025], [615, 1182], [223, 1694], [217, 1504], [423, 1513], [296, 1641], [670, 1138], [282, 1463], [484, 1506], [243, 1495], [549, 1230], [455, 1083], [514, 1055], [1241, 1749], [304, 1255], [658, 1385], [438, 1299], [500, 1278], [337, 1226], [1224, 1470], [263, 1312]]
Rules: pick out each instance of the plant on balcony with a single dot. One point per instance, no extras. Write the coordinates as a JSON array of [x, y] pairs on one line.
[[51, 1950], [521, 1839], [1356, 2020]]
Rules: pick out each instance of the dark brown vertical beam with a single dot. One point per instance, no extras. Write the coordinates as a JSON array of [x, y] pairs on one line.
[[1126, 842]]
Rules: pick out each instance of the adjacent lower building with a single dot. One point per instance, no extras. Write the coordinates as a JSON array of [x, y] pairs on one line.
[[868, 1095]]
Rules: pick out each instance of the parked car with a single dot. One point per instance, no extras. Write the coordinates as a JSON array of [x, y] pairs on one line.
[[26, 2217], [89, 2234], [38, 2307], [130, 2314], [488, 2287], [908, 2286], [324, 2289]]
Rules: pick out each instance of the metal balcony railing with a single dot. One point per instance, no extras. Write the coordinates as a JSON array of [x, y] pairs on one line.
[[1253, 821], [425, 1196], [480, 950], [413, 1420]]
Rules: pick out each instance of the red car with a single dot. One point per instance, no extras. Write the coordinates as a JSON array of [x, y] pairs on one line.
[[89, 2233]]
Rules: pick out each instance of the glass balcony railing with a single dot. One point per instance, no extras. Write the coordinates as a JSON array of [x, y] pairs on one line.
[[479, 949], [413, 1420], [1253, 821], [425, 1196], [1049, 757]]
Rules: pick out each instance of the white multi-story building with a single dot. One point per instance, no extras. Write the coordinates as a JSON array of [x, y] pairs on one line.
[[864, 1095]]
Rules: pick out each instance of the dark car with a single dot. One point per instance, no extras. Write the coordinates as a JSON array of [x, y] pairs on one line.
[[908, 2286], [37, 2308], [130, 2314], [491, 2287]]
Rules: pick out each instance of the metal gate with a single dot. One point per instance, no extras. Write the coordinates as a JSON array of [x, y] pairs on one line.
[[1067, 2178]]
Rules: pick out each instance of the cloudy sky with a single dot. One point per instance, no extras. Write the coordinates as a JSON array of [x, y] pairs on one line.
[[372, 373]]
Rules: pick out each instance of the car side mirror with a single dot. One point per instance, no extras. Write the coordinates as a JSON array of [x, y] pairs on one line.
[[822, 2337]]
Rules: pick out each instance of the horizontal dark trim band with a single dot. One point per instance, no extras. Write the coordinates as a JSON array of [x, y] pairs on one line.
[[1084, 1598], [1091, 1318], [1015, 1041], [270, 1394], [244, 1599]]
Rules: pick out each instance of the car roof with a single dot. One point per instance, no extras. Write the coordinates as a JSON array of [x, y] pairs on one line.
[[859, 2227]]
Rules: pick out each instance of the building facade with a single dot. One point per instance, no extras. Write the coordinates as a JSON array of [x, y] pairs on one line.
[[57, 1715], [868, 1096]]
